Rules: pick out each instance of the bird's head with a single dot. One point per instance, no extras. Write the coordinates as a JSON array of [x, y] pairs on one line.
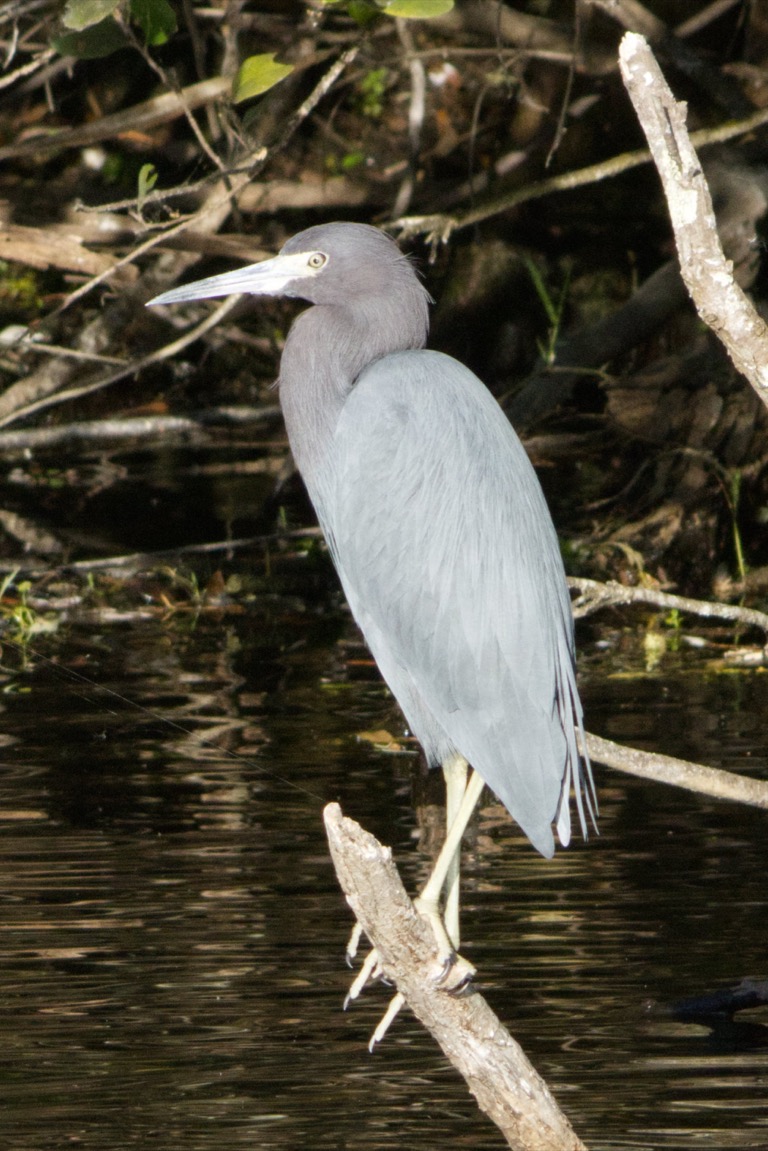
[[328, 264]]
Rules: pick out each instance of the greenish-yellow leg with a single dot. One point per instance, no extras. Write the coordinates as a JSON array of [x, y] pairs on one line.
[[446, 867], [455, 773], [461, 800]]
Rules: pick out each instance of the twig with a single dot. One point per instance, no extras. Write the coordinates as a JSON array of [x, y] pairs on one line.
[[635, 17], [164, 353], [321, 89], [701, 19], [441, 225], [37, 389], [507, 1087], [32, 345], [215, 210], [532, 36], [38, 392], [416, 108], [135, 427], [198, 55], [163, 76], [10, 79], [47, 248], [594, 595], [259, 158], [678, 772], [565, 99], [719, 300], [141, 117]]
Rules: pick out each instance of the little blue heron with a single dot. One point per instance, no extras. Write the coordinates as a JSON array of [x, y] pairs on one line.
[[439, 532]]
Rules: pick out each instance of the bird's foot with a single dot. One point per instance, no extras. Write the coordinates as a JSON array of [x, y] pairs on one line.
[[371, 970], [451, 973], [455, 975], [353, 944]]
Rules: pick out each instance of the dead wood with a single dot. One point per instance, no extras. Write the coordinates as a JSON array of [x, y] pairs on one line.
[[717, 85], [678, 772], [532, 35], [311, 191], [720, 301], [194, 429], [740, 196], [507, 1087], [594, 595], [140, 118], [49, 248], [552, 384]]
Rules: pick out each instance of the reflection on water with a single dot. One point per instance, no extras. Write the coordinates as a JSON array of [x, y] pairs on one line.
[[171, 953]]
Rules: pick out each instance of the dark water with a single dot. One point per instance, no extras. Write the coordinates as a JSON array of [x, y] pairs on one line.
[[171, 968]]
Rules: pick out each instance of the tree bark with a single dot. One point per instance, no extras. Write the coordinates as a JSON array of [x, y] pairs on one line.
[[498, 1073]]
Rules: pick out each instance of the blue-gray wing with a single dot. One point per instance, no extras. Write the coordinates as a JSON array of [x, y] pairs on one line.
[[449, 559]]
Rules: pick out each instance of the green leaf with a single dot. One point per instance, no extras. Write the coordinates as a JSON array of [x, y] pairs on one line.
[[352, 160], [80, 14], [100, 39], [258, 74], [418, 9], [156, 18], [147, 181], [363, 12]]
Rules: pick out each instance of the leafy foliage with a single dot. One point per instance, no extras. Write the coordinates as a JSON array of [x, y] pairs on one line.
[[257, 75], [418, 9], [81, 14], [95, 26]]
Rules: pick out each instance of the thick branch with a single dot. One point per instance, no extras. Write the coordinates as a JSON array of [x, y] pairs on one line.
[[497, 1071], [719, 300]]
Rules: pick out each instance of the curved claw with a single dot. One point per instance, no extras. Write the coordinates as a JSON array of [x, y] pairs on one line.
[[461, 973], [369, 970], [395, 1004], [353, 944], [448, 964]]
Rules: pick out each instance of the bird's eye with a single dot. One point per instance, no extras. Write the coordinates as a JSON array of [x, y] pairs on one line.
[[316, 260]]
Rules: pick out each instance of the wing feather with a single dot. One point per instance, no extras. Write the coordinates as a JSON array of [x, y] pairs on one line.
[[451, 565]]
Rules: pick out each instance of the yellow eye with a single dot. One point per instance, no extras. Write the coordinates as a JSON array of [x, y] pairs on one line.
[[316, 260]]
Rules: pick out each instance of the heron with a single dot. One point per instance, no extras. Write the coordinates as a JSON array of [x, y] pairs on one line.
[[440, 534]]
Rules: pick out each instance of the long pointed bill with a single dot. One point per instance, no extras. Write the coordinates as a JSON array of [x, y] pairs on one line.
[[269, 278]]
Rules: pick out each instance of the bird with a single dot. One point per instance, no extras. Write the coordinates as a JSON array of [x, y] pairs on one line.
[[439, 531]]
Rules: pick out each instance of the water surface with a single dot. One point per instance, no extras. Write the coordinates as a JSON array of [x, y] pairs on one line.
[[171, 955]]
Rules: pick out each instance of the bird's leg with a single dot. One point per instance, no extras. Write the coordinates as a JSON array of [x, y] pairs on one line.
[[461, 803], [428, 902], [455, 773]]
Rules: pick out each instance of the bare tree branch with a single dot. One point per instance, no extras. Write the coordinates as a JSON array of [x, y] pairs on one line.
[[678, 772], [594, 595], [719, 300], [439, 227], [507, 1087], [140, 118]]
